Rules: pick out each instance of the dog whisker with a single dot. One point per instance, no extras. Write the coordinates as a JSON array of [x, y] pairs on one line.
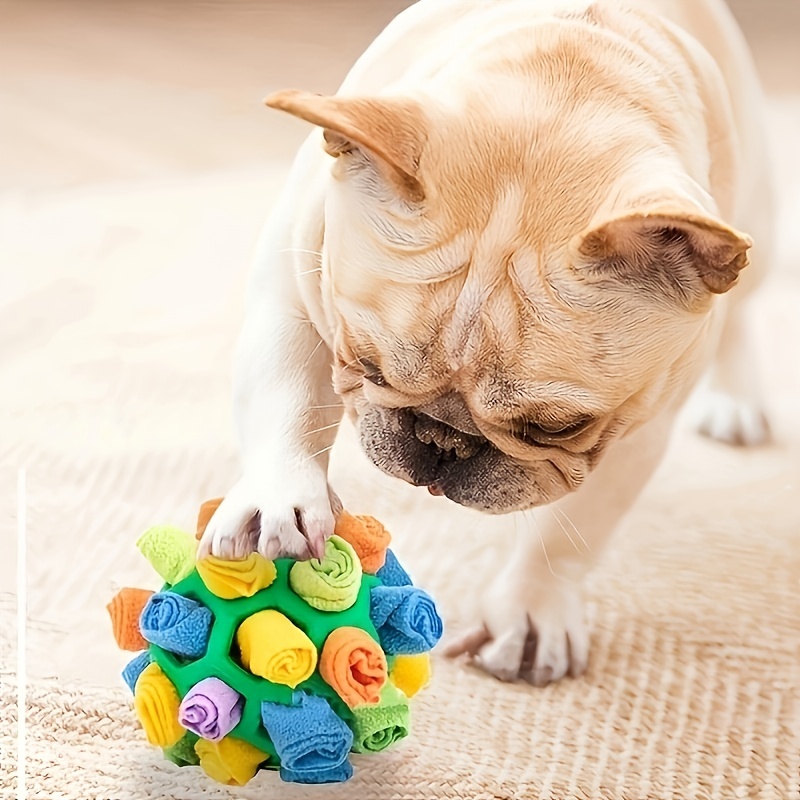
[[320, 452], [574, 527], [323, 428], [544, 549], [515, 517], [352, 363], [541, 541], [566, 532], [317, 253], [314, 352]]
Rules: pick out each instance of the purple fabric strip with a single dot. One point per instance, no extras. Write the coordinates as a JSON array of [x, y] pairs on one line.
[[211, 709]]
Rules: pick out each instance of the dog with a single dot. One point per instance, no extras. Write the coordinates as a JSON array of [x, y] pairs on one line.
[[514, 241]]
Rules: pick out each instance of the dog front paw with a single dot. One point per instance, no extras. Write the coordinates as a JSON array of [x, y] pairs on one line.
[[293, 519], [732, 420], [534, 633]]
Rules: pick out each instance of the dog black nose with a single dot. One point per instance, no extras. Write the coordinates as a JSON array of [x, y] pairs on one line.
[[451, 443]]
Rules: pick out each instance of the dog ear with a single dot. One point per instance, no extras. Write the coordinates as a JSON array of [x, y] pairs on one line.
[[681, 252], [388, 131]]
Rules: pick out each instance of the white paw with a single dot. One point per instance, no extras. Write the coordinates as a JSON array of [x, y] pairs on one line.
[[732, 420], [534, 632], [290, 520]]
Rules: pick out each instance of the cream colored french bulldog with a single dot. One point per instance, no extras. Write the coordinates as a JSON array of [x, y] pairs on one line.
[[504, 251]]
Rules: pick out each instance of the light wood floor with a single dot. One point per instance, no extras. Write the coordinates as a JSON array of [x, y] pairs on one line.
[[120, 90]]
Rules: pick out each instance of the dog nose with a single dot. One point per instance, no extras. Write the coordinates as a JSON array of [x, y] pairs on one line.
[[451, 443], [451, 410]]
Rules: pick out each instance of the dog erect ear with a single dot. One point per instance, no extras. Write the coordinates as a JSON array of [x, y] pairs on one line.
[[389, 130], [681, 252]]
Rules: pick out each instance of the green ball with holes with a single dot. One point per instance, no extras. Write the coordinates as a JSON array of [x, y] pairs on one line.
[[289, 666]]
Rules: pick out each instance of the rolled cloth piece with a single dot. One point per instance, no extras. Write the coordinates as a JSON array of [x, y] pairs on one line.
[[331, 584], [353, 664], [156, 702], [406, 619], [177, 623], [377, 727], [311, 741], [392, 572], [207, 510], [125, 610], [183, 754], [338, 774], [135, 668], [273, 647], [240, 578], [211, 709], [231, 761], [170, 551], [411, 673], [367, 536]]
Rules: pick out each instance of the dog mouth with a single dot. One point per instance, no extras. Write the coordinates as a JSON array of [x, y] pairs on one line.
[[453, 444], [464, 467]]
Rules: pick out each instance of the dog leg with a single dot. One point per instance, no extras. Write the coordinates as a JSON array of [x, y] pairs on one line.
[[731, 407], [533, 624], [286, 410]]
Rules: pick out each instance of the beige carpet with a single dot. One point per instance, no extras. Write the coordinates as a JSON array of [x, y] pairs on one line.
[[121, 417], [119, 305], [692, 691]]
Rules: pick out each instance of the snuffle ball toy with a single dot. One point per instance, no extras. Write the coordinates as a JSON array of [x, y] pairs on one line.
[[290, 665]]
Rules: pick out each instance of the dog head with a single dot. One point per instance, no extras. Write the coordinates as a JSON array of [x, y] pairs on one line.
[[511, 285]]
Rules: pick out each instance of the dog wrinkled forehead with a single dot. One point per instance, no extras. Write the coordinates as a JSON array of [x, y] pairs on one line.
[[448, 312], [486, 274], [401, 268]]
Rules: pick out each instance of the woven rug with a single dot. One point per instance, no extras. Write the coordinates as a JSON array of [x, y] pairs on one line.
[[657, 718], [693, 689]]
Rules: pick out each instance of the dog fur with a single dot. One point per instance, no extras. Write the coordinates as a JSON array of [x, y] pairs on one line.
[[506, 251]]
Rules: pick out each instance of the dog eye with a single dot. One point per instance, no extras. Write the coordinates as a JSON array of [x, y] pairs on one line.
[[541, 432], [372, 372]]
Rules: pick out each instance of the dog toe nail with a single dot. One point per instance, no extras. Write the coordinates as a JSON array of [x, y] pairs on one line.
[[540, 677]]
